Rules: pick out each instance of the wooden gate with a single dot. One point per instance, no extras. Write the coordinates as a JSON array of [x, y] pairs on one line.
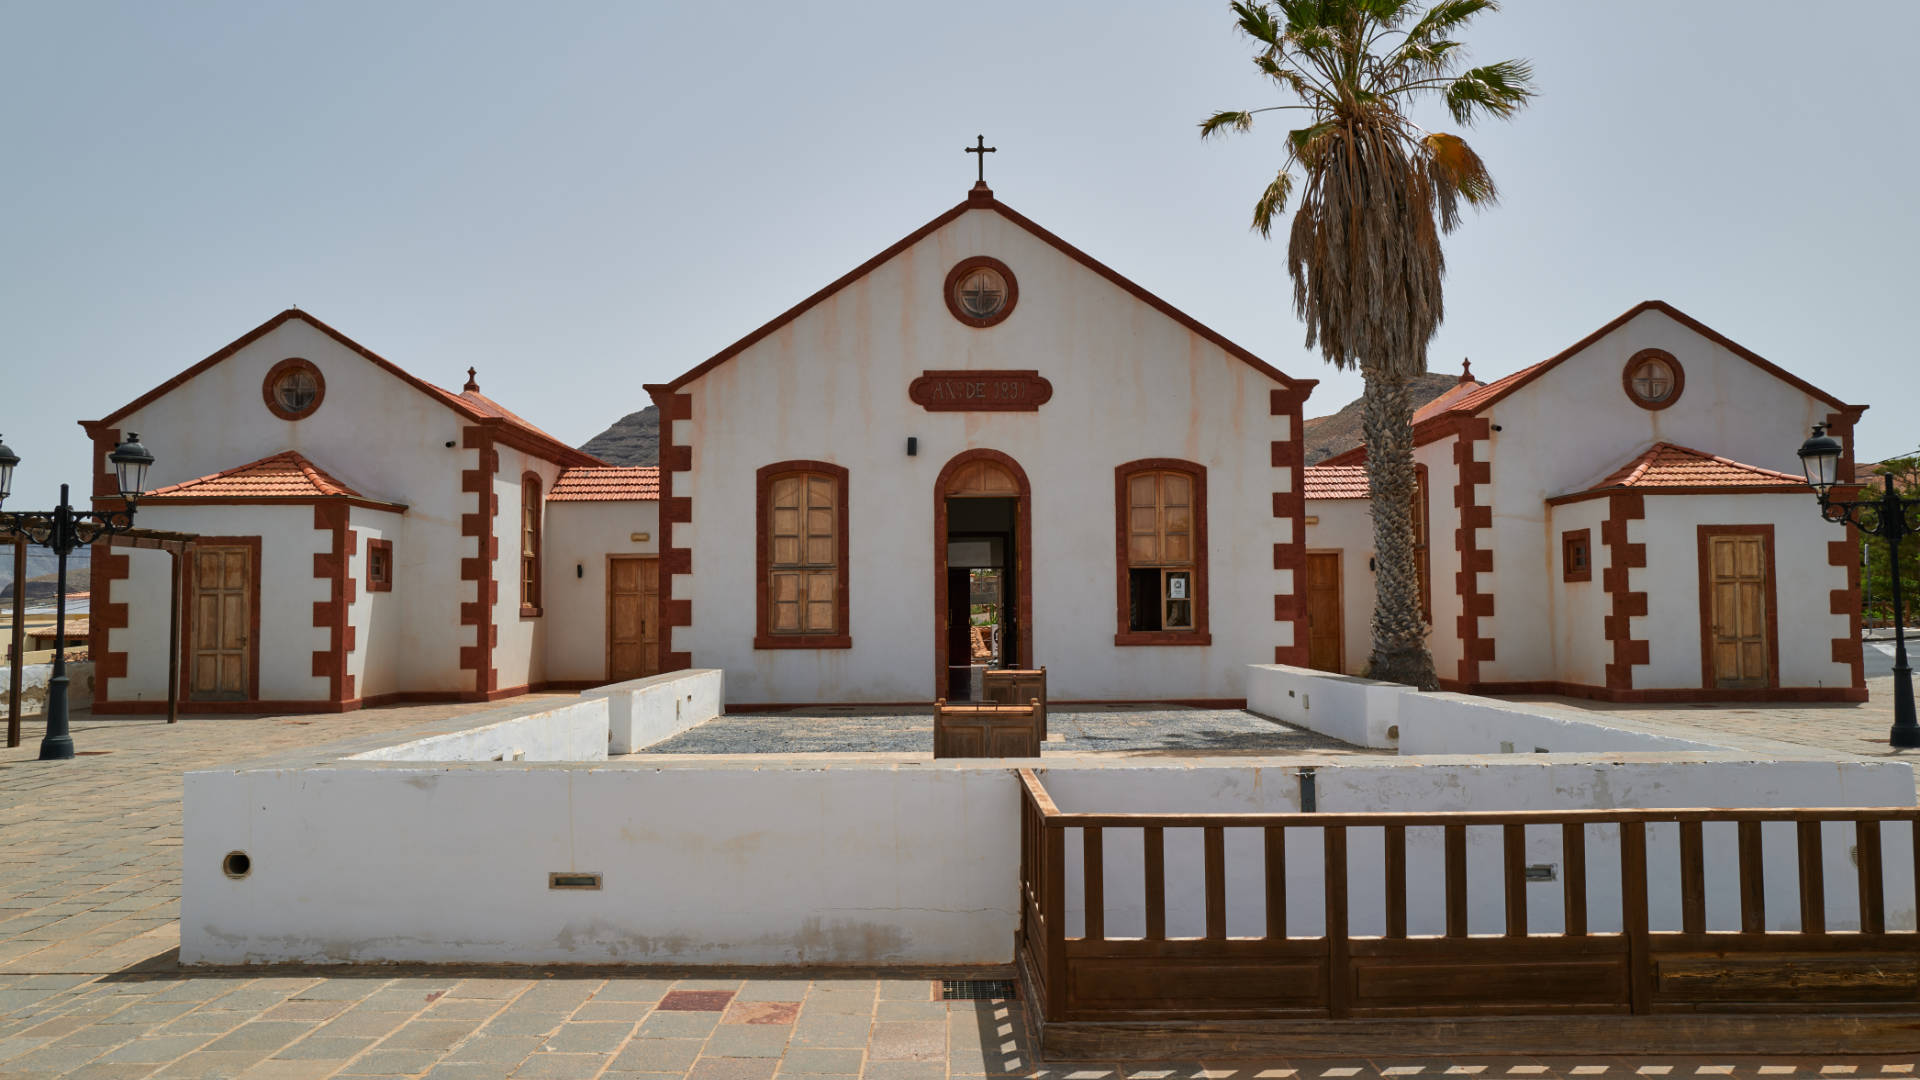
[[633, 617], [221, 646], [1610, 982]]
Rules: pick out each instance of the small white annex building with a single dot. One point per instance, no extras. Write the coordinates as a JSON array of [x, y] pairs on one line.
[[364, 536], [1624, 521], [981, 401]]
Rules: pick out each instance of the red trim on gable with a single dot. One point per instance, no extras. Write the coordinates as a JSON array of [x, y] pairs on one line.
[[986, 201], [528, 438]]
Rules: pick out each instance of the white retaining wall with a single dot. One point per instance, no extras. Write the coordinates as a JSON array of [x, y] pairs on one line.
[[576, 731], [33, 685], [1463, 724], [646, 711], [1364, 712], [767, 861]]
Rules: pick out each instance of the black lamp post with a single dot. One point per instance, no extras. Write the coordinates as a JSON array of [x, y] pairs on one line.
[[1820, 457], [63, 530]]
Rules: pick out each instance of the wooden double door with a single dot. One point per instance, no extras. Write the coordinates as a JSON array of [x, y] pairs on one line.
[[633, 617], [1737, 594]]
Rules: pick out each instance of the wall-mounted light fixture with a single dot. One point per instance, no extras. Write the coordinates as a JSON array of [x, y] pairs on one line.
[[579, 570], [913, 445]]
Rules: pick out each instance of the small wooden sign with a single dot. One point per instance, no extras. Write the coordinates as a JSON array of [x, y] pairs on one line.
[[980, 391], [641, 538]]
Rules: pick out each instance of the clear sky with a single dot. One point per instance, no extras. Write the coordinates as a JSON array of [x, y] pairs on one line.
[[581, 198]]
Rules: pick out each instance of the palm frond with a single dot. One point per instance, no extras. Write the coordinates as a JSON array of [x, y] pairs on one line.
[[1235, 120], [1498, 89], [1447, 16], [1272, 202], [1256, 22]]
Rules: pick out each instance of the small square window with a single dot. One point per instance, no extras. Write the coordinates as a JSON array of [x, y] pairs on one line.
[[379, 565], [1576, 555]]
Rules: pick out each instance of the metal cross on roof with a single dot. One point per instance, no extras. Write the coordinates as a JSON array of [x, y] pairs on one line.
[[980, 147]]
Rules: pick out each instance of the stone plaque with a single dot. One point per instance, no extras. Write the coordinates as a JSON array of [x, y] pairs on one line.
[[980, 391]]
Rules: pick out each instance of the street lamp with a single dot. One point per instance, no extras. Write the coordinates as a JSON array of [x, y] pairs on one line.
[[1820, 459], [62, 530]]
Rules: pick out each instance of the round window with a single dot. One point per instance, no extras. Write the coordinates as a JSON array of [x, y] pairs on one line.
[[293, 389], [1653, 378], [981, 291]]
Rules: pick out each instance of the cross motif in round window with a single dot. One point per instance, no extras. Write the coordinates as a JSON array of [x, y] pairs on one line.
[[1653, 378], [981, 291], [293, 389]]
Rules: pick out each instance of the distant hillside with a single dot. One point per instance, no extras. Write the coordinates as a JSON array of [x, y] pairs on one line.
[[634, 439], [41, 567], [1336, 434]]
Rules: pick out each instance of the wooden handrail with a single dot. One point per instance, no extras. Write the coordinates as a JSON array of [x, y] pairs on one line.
[[1438, 818]]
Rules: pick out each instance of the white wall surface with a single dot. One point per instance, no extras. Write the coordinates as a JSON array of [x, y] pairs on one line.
[[1443, 641], [378, 663], [288, 591], [1802, 584], [1128, 383], [641, 712], [774, 862], [583, 535], [1581, 651], [1363, 712], [33, 685], [1572, 427], [1464, 724], [1346, 526], [576, 731], [519, 654]]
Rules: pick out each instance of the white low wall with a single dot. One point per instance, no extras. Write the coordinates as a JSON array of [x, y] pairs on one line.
[[33, 685], [646, 711], [771, 861], [1364, 712], [576, 731], [1463, 724]]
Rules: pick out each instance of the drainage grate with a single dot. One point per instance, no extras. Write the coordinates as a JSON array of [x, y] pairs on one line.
[[976, 989]]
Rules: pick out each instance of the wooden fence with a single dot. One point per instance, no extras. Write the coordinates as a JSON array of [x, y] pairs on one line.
[[1336, 975]]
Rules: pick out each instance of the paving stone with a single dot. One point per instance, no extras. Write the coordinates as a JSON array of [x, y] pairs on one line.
[[391, 1063], [429, 1035], [911, 1010], [733, 1068], [627, 1012], [558, 996], [906, 990], [748, 1040], [516, 1021], [265, 1035], [497, 1049], [123, 1071], [561, 1066], [657, 1055], [304, 1009], [812, 1060], [159, 1048], [276, 1069], [633, 990], [762, 1012], [679, 1025], [597, 1038], [830, 1030], [210, 1066], [696, 1000], [773, 990], [323, 1048], [912, 1040], [470, 1070], [489, 989], [905, 1070]]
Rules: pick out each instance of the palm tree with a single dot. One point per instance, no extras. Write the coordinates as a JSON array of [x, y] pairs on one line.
[[1364, 248]]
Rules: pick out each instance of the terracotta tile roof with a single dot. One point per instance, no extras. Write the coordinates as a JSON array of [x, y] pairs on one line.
[[607, 483], [283, 475], [1666, 466], [1336, 482], [1445, 402], [476, 403]]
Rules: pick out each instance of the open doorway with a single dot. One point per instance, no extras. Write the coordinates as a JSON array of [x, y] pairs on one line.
[[983, 585]]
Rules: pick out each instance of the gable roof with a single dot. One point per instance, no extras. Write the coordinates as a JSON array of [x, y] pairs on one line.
[[287, 475], [1336, 482], [609, 483], [981, 198], [1669, 469], [1492, 392], [471, 405]]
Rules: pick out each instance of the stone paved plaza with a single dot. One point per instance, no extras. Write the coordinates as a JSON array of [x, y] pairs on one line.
[[89, 986], [1072, 729]]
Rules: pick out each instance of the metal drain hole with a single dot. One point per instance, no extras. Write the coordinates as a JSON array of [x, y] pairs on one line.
[[237, 864], [977, 990]]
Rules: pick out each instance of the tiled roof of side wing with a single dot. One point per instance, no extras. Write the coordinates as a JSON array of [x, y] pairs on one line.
[[1336, 482], [1668, 465], [282, 475], [611, 483]]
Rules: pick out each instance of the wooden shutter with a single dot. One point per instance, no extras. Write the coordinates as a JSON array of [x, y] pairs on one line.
[[803, 565], [1160, 519]]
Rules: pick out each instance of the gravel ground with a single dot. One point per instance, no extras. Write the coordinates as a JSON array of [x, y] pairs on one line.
[[1075, 729]]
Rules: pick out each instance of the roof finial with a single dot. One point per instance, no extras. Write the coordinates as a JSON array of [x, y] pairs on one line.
[[1466, 369], [472, 387], [980, 188]]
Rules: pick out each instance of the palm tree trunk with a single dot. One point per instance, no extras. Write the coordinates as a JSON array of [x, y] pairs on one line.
[[1399, 628]]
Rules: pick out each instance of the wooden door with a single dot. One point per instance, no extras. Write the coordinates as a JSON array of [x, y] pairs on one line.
[[1326, 631], [633, 617], [1738, 607], [222, 624]]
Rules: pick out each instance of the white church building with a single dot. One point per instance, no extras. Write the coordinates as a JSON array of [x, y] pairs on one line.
[[980, 417]]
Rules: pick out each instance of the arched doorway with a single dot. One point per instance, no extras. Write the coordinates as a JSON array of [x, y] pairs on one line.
[[982, 520]]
